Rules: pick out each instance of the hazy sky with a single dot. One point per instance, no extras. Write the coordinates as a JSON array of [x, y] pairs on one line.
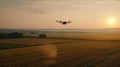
[[38, 14]]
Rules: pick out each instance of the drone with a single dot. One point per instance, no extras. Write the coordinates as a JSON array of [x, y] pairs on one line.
[[64, 22]]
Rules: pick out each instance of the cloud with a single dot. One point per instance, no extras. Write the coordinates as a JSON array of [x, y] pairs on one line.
[[38, 6], [43, 6]]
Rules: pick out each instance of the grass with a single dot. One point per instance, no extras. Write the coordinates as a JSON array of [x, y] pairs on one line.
[[86, 36], [73, 50], [27, 42], [58, 37], [81, 53], [10, 46]]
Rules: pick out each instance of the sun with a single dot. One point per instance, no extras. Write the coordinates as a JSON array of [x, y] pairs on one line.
[[111, 21]]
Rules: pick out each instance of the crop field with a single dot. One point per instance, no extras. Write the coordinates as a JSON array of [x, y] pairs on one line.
[[61, 52], [86, 36]]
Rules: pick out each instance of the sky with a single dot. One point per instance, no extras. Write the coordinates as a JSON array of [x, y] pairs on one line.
[[42, 14]]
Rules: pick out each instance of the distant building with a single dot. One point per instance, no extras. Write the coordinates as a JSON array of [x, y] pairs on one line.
[[42, 36]]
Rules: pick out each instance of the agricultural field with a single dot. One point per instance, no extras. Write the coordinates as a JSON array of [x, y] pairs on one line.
[[60, 51], [87, 36]]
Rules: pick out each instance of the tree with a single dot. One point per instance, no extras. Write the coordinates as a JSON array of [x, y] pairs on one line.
[[42, 36], [2, 35], [14, 35]]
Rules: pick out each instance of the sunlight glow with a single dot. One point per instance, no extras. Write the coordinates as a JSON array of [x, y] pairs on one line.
[[111, 21]]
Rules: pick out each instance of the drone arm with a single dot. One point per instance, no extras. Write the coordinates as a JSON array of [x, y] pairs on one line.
[[69, 21], [59, 21]]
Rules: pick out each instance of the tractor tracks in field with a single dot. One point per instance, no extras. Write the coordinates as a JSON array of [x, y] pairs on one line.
[[90, 59], [97, 59]]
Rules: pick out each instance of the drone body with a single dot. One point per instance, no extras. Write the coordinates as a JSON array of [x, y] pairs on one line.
[[64, 22]]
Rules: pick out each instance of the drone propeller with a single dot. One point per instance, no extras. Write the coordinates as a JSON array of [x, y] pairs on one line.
[[63, 22], [69, 22], [59, 21]]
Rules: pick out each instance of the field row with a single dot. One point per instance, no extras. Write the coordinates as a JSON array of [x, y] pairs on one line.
[[72, 53], [79, 55]]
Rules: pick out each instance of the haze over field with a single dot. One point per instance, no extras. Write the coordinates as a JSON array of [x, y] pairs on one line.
[[59, 33], [36, 14]]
